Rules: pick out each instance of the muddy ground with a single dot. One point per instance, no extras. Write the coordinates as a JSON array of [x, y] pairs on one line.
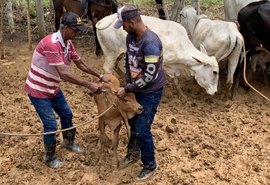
[[200, 139]]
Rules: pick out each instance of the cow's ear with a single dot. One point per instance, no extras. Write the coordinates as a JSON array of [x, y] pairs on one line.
[[203, 50]]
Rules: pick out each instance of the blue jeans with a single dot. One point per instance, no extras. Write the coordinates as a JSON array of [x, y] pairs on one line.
[[140, 127], [45, 108]]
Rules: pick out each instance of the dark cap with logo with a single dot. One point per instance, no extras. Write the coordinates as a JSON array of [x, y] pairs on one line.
[[73, 20], [125, 13]]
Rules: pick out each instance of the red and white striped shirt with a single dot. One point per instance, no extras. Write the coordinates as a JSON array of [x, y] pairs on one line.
[[43, 79]]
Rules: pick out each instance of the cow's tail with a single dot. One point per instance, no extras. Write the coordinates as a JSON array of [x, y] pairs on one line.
[[106, 22], [237, 24]]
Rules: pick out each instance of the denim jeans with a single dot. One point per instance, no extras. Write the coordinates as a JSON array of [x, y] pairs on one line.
[[45, 108], [140, 127]]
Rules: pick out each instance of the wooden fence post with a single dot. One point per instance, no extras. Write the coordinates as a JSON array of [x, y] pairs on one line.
[[29, 26], [1, 30]]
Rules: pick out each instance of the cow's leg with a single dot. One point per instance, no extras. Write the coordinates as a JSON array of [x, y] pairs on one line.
[[248, 73], [228, 91], [180, 92], [265, 75], [58, 9], [98, 47], [237, 77], [253, 66], [233, 61], [115, 141]]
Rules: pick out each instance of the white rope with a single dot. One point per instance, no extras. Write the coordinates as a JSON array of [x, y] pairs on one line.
[[58, 131]]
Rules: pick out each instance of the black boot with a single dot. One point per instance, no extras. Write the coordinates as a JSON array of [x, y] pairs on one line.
[[133, 152], [68, 142], [50, 157]]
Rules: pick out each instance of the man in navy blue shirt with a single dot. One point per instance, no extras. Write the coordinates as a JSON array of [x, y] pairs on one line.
[[145, 77]]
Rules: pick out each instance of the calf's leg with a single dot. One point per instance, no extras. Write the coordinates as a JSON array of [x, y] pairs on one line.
[[115, 142], [102, 139]]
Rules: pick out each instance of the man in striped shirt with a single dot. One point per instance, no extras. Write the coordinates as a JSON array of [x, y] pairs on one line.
[[50, 64]]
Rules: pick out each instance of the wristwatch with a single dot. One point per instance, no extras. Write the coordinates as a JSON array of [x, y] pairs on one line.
[[101, 76]]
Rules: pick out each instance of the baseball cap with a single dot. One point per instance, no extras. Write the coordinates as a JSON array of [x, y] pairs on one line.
[[125, 13], [73, 20]]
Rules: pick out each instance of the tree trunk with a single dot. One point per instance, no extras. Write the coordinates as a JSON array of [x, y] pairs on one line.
[[162, 9], [40, 19], [177, 7], [10, 17], [1, 30], [51, 5], [134, 2], [165, 9], [196, 5], [29, 26]]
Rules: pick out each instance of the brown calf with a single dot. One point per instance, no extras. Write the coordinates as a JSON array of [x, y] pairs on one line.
[[123, 110]]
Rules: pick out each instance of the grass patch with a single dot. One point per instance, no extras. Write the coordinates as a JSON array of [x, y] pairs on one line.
[[212, 2], [188, 2], [137, 2]]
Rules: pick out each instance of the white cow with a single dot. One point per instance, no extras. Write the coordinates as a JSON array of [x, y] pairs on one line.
[[180, 56], [220, 39], [232, 7]]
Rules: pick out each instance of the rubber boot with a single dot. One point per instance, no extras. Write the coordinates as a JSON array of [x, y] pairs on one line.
[[133, 152], [133, 155], [68, 141], [50, 156]]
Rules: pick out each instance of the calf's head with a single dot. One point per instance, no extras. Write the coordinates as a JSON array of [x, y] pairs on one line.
[[128, 106]]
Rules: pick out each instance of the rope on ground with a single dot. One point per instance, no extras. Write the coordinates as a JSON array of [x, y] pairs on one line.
[[245, 79], [58, 131]]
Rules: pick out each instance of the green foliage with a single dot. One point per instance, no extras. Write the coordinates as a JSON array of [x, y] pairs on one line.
[[138, 2], [203, 2], [22, 4], [144, 1], [46, 3], [211, 2]]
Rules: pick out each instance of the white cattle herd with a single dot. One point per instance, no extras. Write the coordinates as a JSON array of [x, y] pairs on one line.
[[192, 48], [220, 38], [180, 55]]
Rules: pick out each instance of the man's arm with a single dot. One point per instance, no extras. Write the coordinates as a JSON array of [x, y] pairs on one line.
[[84, 67], [67, 76], [127, 73]]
